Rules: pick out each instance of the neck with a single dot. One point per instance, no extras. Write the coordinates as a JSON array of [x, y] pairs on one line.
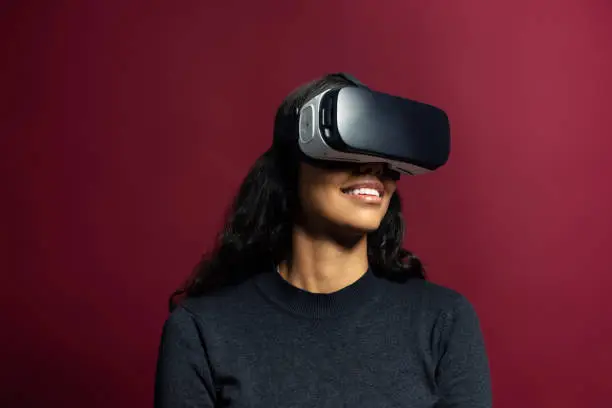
[[324, 265]]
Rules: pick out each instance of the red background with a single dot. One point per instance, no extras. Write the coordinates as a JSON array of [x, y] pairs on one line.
[[127, 126]]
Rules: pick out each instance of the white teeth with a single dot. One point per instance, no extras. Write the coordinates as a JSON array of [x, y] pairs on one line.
[[364, 191]]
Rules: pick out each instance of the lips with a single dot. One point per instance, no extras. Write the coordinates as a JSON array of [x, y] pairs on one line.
[[365, 189]]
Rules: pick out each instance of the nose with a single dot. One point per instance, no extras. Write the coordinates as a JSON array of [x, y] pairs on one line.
[[375, 169]]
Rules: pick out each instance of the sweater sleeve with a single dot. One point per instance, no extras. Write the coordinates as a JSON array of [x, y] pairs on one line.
[[183, 377], [463, 375]]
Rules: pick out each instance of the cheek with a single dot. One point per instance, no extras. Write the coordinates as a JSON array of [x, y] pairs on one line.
[[316, 197], [390, 187], [320, 198], [316, 184], [311, 192], [306, 197]]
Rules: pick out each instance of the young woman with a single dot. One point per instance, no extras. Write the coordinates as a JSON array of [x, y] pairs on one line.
[[309, 300]]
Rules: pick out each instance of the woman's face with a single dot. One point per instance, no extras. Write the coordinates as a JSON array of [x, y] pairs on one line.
[[353, 198]]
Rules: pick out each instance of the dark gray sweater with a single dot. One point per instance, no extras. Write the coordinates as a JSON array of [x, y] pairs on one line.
[[268, 344]]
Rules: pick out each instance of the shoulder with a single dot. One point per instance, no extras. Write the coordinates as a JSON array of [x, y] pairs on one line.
[[220, 307], [451, 310], [442, 314], [430, 298]]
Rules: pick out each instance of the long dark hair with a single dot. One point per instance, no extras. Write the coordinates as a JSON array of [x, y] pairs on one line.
[[258, 231]]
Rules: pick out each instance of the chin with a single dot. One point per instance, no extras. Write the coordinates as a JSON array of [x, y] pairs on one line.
[[351, 223], [366, 229], [362, 226]]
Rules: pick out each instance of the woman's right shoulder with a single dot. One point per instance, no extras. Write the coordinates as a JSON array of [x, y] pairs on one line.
[[219, 305]]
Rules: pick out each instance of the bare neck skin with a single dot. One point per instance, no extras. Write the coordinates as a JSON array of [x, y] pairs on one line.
[[322, 265]]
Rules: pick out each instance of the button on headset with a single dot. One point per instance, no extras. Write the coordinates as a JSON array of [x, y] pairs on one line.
[[306, 124]]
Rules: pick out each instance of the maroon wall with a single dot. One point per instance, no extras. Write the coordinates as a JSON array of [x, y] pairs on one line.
[[126, 127]]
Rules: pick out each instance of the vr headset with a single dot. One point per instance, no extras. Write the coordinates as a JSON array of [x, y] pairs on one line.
[[354, 124]]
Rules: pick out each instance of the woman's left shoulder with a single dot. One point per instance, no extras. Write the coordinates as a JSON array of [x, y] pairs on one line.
[[436, 297]]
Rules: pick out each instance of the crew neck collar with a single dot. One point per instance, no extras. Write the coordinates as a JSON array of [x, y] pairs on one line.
[[318, 305]]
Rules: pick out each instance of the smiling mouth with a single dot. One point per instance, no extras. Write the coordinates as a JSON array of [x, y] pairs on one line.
[[363, 191]]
